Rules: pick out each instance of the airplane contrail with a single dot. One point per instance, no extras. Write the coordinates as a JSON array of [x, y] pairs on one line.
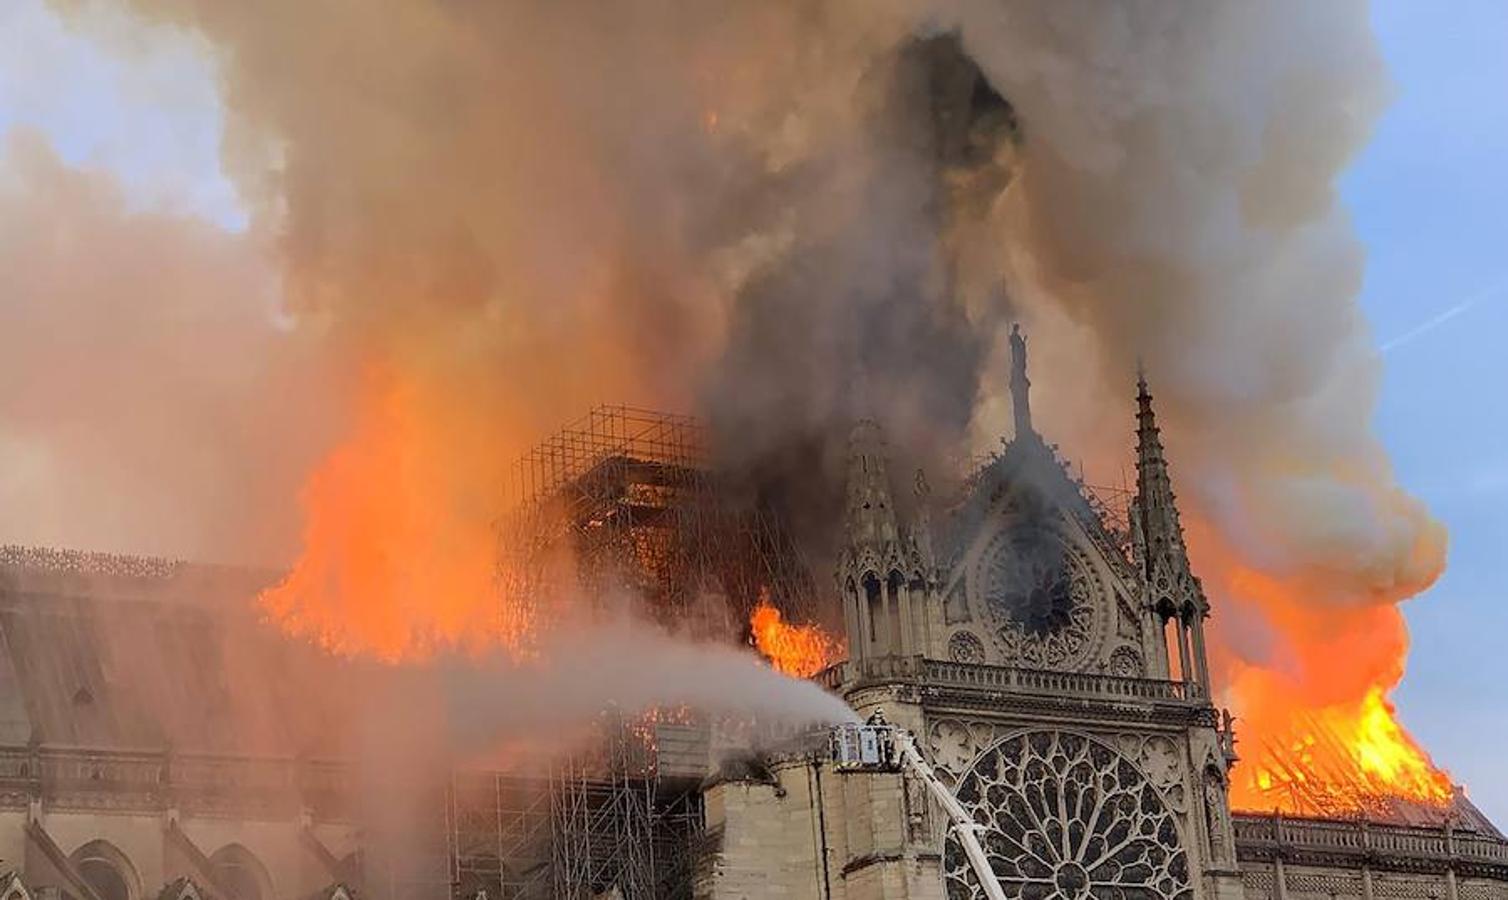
[[1444, 316]]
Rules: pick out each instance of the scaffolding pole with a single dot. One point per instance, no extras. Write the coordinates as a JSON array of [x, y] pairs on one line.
[[625, 501], [621, 502]]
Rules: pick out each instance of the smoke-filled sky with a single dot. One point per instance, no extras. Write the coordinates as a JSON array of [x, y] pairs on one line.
[[328, 202]]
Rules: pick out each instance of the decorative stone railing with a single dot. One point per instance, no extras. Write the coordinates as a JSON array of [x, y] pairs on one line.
[[882, 668], [1263, 836], [1000, 678], [82, 562], [83, 778], [88, 779]]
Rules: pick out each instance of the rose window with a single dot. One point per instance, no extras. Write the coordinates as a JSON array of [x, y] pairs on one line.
[[964, 647], [1042, 597], [1066, 818], [1126, 663]]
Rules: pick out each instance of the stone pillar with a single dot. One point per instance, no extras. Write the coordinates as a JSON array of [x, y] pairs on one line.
[[866, 626], [1154, 645], [921, 642], [1452, 890], [1366, 882], [1279, 879], [929, 609], [1183, 651], [851, 622], [1201, 663], [908, 621]]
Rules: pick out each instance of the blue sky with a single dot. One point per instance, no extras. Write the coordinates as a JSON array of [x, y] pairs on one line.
[[1428, 196], [140, 101]]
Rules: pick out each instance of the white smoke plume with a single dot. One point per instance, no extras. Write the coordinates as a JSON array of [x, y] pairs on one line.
[[629, 667]]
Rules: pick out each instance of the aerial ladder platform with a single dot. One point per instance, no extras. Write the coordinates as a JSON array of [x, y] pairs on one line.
[[877, 746]]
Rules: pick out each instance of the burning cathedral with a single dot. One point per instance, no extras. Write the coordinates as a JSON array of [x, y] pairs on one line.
[[1054, 677], [1034, 713], [1031, 673]]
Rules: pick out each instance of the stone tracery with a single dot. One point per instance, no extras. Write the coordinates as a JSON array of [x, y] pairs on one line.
[[1067, 818], [1042, 595], [965, 647]]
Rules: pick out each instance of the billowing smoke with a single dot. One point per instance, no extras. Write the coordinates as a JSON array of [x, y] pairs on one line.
[[504, 713], [153, 405], [1176, 204], [786, 212], [632, 668]]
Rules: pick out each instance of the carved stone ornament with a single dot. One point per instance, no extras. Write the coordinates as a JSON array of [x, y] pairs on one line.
[[1067, 818], [1125, 662], [1041, 595], [966, 647], [1216, 822], [13, 888], [1159, 760], [952, 745]]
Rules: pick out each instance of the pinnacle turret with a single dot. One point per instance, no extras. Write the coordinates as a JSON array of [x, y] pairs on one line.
[[869, 520], [1159, 534], [880, 571]]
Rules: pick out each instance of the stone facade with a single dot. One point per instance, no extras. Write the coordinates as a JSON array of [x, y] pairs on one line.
[[1298, 858], [148, 742], [1054, 673], [1051, 666]]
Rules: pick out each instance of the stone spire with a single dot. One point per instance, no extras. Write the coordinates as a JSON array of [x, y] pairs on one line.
[[1020, 384], [869, 520], [1159, 535]]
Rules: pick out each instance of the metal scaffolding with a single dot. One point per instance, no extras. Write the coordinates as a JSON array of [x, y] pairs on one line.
[[618, 823], [622, 503], [627, 501], [605, 818], [500, 834]]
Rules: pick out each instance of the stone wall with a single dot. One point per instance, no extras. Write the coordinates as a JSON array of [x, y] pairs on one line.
[[155, 858], [810, 833], [1259, 881]]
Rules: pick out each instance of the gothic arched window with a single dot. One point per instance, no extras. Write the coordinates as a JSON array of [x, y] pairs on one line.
[[875, 601], [241, 873], [1066, 818], [107, 870]]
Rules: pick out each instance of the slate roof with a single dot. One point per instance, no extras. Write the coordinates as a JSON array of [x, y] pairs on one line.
[[121, 653]]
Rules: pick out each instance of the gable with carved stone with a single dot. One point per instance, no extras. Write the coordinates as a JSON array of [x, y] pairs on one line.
[[1034, 579]]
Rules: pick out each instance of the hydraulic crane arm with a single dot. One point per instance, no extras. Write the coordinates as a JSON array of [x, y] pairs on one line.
[[864, 748], [967, 829]]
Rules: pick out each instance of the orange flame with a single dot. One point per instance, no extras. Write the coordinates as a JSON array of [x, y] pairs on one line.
[[800, 651], [1317, 732], [1342, 760], [1389, 756], [397, 561], [400, 560]]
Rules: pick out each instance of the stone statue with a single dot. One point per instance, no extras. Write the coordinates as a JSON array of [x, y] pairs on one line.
[[1020, 384], [1214, 811]]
